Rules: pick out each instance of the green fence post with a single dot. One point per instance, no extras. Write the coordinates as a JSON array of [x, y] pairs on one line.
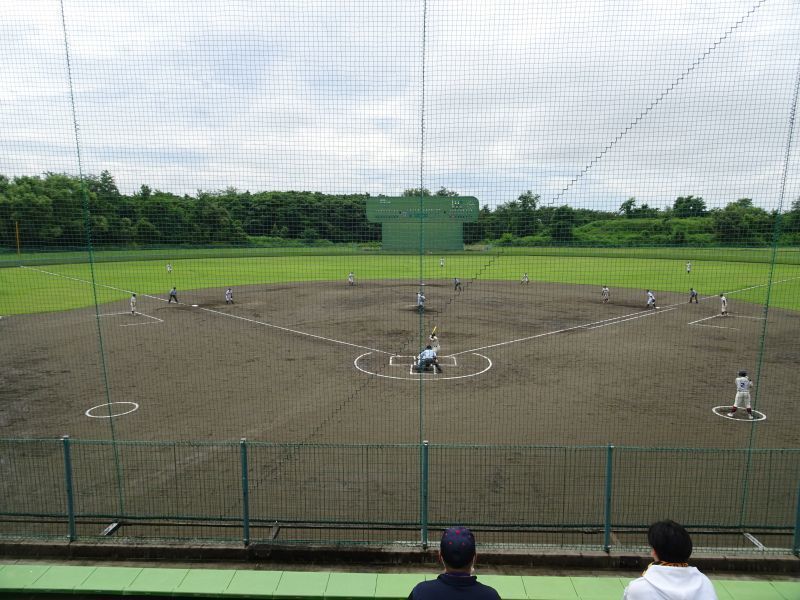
[[68, 480], [423, 509], [245, 493], [607, 515], [796, 544]]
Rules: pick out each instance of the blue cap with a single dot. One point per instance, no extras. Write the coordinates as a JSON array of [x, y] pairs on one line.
[[457, 547]]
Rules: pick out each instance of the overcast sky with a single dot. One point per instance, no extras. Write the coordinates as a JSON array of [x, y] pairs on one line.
[[328, 96]]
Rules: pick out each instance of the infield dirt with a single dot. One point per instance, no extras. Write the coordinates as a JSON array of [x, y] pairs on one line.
[[535, 365]]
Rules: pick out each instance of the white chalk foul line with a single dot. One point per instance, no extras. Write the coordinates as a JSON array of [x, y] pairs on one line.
[[211, 310], [703, 319], [311, 335], [616, 320]]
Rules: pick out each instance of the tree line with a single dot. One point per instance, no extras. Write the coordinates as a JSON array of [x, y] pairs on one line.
[[48, 212]]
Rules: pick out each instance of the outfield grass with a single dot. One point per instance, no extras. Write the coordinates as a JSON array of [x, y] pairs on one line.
[[29, 290], [757, 255]]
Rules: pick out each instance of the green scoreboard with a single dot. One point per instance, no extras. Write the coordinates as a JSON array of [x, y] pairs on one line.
[[428, 223]]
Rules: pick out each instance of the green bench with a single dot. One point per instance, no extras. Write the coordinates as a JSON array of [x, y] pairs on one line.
[[238, 583]]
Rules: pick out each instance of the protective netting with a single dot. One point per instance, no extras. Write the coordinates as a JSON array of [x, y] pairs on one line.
[[247, 220]]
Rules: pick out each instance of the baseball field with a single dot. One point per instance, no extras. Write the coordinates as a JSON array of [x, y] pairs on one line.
[[537, 381]]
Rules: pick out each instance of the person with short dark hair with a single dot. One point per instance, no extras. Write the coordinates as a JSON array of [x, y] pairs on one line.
[[670, 577], [457, 555], [173, 295], [428, 359]]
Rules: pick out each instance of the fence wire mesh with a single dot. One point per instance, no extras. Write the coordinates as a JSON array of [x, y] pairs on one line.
[[249, 220]]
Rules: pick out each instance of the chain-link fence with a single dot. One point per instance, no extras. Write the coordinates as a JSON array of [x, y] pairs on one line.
[[249, 220]]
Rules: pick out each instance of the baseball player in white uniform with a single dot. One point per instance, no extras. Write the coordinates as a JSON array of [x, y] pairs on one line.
[[525, 280], [723, 301], [433, 340], [605, 294], [169, 267], [742, 400], [651, 299], [229, 296], [441, 262], [351, 278], [133, 304], [688, 267], [420, 301]]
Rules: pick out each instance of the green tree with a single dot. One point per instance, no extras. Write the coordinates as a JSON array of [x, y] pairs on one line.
[[628, 208], [562, 224], [742, 224], [688, 206]]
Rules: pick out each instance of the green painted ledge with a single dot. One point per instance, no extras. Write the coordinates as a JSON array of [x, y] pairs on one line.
[[321, 585]]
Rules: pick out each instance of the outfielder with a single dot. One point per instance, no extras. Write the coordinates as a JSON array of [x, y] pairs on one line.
[[742, 400], [723, 301], [133, 304], [441, 262], [169, 268], [688, 267]]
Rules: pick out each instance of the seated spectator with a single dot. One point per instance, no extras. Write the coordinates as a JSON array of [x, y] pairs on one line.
[[670, 577], [457, 555]]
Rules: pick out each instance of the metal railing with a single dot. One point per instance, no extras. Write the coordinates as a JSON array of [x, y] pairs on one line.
[[588, 497]]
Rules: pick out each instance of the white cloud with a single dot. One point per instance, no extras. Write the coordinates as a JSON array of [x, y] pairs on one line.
[[327, 95]]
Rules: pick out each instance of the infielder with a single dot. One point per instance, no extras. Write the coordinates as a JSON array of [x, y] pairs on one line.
[[351, 278], [693, 297], [525, 279], [605, 294], [651, 299], [133, 304], [173, 295], [457, 285], [742, 400], [427, 358], [420, 301], [723, 301], [229, 296]]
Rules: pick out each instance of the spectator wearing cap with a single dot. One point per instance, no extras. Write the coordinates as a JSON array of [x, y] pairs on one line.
[[457, 554], [670, 577]]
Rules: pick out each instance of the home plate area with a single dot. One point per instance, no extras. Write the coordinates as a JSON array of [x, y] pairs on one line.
[[397, 366], [409, 362]]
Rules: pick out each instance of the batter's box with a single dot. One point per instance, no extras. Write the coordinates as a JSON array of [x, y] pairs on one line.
[[397, 360]]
